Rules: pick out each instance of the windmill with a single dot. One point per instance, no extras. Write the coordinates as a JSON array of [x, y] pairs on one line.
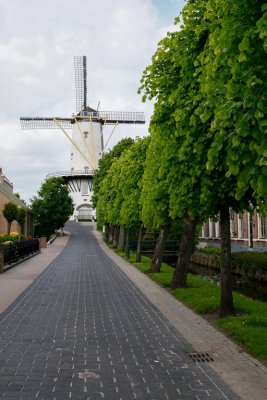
[[87, 141]]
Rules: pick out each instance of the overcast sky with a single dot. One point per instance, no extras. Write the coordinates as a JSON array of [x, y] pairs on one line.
[[38, 41]]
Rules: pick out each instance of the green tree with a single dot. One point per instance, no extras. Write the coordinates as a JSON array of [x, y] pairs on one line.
[[10, 213], [176, 133], [21, 215], [52, 207], [154, 195], [132, 164], [109, 200]]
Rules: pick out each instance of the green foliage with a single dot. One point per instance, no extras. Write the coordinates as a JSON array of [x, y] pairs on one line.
[[132, 169], [244, 260], [232, 72], [209, 116], [11, 238], [250, 261], [119, 191], [176, 173], [105, 163], [154, 195], [10, 212], [52, 207], [21, 215], [109, 196]]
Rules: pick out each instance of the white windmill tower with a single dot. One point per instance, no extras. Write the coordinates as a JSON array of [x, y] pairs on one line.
[[87, 142]]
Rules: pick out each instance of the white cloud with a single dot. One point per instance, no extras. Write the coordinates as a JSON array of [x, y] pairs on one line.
[[38, 40]]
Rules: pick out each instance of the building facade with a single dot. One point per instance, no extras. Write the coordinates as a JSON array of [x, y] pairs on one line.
[[6, 196], [246, 230]]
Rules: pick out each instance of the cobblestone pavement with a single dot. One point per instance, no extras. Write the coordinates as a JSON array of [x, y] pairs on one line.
[[83, 331]]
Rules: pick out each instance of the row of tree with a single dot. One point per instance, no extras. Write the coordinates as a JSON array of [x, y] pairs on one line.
[[207, 150]]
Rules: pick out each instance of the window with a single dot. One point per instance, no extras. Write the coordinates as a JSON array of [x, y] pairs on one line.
[[85, 189], [240, 226], [85, 134], [261, 227]]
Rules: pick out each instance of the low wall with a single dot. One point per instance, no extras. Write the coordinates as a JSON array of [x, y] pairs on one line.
[[211, 263]]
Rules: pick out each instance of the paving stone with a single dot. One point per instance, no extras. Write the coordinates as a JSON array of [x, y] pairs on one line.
[[82, 330]]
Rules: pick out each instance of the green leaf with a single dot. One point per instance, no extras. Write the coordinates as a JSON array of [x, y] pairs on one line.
[[244, 45], [262, 185]]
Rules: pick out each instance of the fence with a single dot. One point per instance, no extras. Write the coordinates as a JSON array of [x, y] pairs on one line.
[[148, 246], [16, 251]]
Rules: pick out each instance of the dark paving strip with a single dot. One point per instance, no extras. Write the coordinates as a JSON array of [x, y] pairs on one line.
[[82, 330]]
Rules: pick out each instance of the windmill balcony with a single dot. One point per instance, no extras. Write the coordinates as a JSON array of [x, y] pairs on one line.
[[72, 173]]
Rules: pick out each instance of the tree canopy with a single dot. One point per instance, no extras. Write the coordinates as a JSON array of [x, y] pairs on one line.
[[10, 212], [119, 192], [52, 207], [105, 163]]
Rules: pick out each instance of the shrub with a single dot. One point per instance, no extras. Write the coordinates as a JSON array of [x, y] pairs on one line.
[[8, 242], [250, 261], [14, 234], [245, 260], [14, 237]]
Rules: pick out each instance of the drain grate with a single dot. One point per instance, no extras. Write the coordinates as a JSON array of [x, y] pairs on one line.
[[201, 357]]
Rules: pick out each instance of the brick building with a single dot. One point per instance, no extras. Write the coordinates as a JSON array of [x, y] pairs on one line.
[[245, 228], [6, 196]]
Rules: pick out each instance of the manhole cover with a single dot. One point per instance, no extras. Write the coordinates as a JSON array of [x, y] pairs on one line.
[[201, 357], [87, 374]]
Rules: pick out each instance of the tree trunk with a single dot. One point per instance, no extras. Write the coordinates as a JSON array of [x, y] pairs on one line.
[[106, 232], [160, 247], [127, 244], [121, 238], [226, 305], [111, 233], [179, 277], [139, 244], [115, 237], [9, 227]]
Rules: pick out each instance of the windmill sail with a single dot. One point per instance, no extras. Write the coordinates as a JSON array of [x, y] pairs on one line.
[[80, 83], [45, 123]]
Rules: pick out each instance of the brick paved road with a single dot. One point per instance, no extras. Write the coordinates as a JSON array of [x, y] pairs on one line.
[[83, 331]]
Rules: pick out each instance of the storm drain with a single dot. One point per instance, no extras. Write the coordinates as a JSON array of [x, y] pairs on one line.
[[201, 357]]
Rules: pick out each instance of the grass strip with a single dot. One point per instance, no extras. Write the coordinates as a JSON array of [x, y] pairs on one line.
[[248, 327]]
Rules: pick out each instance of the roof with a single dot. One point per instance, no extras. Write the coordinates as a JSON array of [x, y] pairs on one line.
[[12, 197]]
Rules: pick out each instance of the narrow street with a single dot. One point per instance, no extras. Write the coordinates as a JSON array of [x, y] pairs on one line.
[[82, 330]]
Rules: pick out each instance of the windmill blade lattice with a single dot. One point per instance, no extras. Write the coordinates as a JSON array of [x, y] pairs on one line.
[[45, 123], [122, 117], [80, 83]]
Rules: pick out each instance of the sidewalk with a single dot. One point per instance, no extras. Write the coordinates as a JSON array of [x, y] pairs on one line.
[[245, 375], [15, 280]]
